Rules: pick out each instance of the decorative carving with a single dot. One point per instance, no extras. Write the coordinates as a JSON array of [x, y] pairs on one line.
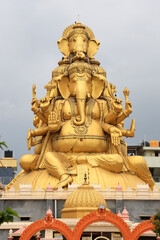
[[141, 228], [49, 217], [101, 215], [82, 201], [49, 223], [96, 216], [80, 122]]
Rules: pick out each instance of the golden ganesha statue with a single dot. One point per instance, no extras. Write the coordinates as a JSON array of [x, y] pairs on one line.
[[79, 125]]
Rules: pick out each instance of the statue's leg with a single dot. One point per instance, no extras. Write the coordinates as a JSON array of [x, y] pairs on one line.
[[110, 162], [28, 161], [139, 166], [55, 165]]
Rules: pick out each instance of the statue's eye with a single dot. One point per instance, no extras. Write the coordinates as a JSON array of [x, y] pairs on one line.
[[84, 40], [74, 40]]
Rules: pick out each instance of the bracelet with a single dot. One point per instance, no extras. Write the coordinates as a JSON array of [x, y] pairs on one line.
[[44, 111], [127, 115], [108, 128], [127, 133], [33, 133], [36, 111]]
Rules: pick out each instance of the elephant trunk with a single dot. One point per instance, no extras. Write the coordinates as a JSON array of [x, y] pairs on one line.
[[80, 118]]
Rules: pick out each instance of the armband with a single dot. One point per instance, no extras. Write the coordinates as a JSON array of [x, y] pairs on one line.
[[127, 115]]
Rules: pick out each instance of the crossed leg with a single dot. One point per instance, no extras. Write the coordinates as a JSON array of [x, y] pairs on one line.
[[56, 165]]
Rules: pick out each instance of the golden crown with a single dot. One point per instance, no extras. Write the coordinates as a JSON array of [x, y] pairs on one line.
[[78, 28], [80, 67]]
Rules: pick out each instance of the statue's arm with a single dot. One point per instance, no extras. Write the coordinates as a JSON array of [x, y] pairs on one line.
[[37, 110], [39, 131], [114, 132], [54, 123], [129, 132], [55, 117], [53, 126], [124, 114], [33, 133], [116, 114], [128, 107]]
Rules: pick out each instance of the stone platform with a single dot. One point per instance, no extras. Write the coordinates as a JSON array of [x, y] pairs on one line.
[[41, 178]]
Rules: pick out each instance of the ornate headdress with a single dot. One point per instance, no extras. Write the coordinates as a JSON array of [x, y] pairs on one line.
[[81, 29], [78, 28]]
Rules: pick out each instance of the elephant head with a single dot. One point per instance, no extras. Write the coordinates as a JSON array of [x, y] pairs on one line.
[[78, 40], [115, 103], [81, 84]]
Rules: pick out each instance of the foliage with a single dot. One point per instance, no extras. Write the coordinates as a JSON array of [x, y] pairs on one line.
[[2, 188], [156, 223], [7, 215], [3, 144]]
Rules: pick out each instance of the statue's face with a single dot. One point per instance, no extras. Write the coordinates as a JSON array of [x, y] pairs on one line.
[[80, 86], [78, 43]]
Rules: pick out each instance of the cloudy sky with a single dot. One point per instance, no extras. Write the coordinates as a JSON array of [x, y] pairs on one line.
[[129, 33]]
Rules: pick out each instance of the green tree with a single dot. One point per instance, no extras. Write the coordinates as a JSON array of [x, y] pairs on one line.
[[2, 145], [7, 215], [156, 223]]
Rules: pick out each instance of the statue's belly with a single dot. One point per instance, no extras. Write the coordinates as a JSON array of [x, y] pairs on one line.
[[80, 138]]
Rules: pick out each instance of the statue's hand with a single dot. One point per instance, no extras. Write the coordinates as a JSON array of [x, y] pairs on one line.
[[35, 105], [30, 141], [35, 102], [45, 99], [44, 103], [72, 160], [53, 122], [115, 134], [128, 107], [130, 133]]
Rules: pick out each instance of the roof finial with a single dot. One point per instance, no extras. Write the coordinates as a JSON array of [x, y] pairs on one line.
[[78, 19]]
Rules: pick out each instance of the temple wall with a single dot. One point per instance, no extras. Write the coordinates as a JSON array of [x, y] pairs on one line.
[[36, 209], [32, 205]]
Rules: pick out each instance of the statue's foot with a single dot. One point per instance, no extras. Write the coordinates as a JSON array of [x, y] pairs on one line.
[[151, 184], [65, 180]]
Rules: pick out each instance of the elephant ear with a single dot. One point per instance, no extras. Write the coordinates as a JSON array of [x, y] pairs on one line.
[[63, 87], [98, 82], [63, 46], [93, 47]]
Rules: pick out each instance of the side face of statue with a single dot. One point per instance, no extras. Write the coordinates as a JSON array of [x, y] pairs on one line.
[[80, 120]]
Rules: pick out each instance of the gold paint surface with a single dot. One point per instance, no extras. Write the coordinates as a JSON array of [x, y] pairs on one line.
[[79, 125], [82, 201]]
